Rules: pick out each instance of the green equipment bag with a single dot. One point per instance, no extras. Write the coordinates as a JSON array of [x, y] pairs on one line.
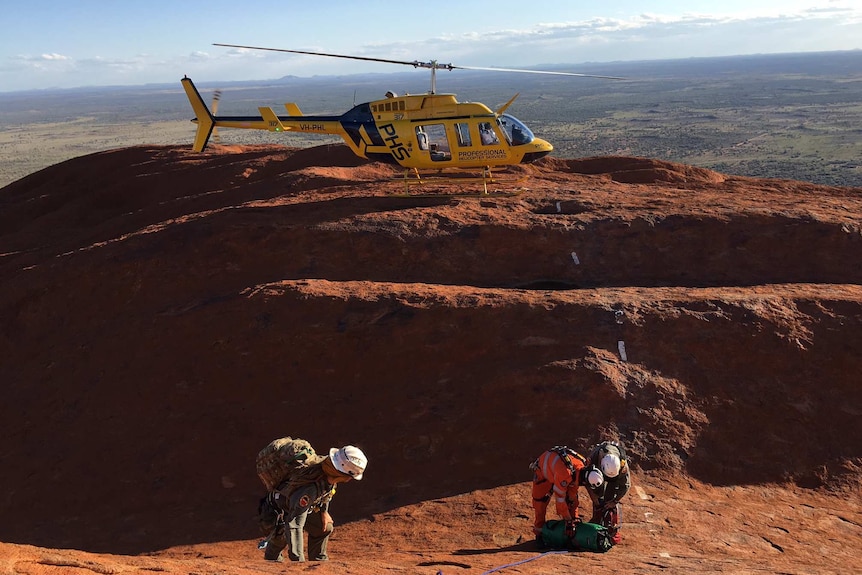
[[587, 537]]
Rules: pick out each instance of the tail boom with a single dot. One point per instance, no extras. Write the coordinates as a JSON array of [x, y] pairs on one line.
[[268, 119]]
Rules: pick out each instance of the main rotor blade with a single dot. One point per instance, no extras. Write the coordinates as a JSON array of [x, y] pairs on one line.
[[415, 63], [537, 72], [434, 65]]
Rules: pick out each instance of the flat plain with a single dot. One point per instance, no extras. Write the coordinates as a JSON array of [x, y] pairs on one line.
[[791, 116]]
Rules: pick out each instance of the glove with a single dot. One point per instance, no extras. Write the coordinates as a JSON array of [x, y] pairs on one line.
[[611, 517], [571, 526]]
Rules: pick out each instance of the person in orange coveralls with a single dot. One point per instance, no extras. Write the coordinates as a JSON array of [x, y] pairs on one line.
[[556, 473]]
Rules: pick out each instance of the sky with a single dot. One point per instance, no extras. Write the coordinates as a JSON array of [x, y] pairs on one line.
[[74, 43]]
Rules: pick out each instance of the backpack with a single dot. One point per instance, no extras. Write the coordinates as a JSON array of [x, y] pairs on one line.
[[602, 447], [587, 537], [282, 458]]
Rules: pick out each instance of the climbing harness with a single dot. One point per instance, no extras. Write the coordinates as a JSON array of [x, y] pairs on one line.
[[564, 451]]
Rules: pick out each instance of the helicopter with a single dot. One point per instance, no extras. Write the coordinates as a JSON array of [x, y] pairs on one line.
[[428, 131]]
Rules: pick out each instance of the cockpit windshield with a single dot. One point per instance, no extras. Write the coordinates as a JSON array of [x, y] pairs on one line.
[[516, 132]]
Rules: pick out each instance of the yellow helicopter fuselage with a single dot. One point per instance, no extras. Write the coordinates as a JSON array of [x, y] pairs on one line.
[[426, 131]]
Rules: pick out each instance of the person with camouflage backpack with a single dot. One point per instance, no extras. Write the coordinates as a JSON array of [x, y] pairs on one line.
[[300, 485]]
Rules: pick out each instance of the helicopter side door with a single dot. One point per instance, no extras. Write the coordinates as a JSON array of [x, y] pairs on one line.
[[433, 140]]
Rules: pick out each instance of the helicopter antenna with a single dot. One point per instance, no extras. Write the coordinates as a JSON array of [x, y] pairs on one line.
[[433, 65]]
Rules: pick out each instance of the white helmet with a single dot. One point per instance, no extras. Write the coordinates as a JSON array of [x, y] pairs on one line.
[[594, 477], [349, 460], [611, 465]]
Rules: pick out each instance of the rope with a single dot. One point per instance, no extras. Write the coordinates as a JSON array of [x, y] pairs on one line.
[[501, 567]]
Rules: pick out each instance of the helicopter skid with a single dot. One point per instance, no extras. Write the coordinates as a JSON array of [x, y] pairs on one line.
[[413, 177]]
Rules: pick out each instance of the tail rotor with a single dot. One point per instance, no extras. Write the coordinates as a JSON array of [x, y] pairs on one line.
[[214, 108]]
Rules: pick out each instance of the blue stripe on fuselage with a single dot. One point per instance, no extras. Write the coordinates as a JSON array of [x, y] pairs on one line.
[[354, 119]]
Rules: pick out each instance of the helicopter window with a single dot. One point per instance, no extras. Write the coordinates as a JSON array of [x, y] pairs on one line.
[[487, 134], [462, 129], [516, 132], [438, 141]]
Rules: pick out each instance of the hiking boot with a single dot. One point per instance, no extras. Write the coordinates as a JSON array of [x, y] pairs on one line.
[[280, 558]]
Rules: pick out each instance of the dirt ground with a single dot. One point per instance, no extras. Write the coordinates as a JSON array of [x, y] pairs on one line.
[[671, 526], [165, 314]]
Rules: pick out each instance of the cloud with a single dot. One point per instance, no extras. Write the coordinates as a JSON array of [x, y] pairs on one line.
[[646, 36], [54, 57], [22, 65], [244, 53], [41, 58], [832, 11]]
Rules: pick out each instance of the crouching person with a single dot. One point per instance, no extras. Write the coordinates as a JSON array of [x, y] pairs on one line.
[[556, 476], [301, 502], [610, 458]]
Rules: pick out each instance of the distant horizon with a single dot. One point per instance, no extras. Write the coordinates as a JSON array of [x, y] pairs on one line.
[[226, 82]]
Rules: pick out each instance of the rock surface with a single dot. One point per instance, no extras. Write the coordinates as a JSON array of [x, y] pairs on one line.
[[165, 314]]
